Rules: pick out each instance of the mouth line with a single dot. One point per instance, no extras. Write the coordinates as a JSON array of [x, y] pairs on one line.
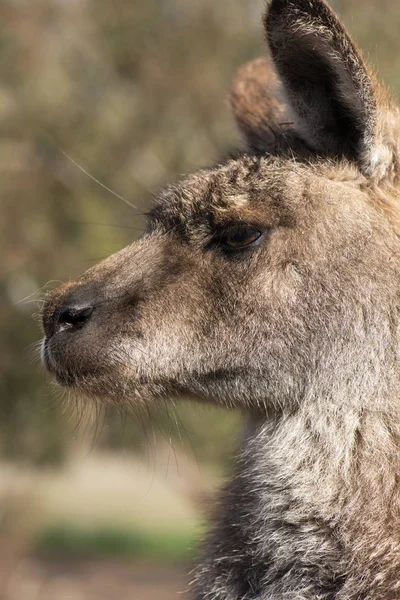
[[63, 376]]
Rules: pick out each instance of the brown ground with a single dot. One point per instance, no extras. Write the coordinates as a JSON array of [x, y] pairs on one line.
[[31, 578]]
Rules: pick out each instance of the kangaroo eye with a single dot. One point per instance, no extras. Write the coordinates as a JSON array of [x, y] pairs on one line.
[[239, 237]]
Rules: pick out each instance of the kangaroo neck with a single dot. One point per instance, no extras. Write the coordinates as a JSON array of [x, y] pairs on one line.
[[331, 481]]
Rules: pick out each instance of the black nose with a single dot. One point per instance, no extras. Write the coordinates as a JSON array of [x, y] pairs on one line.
[[68, 317], [74, 317], [68, 308]]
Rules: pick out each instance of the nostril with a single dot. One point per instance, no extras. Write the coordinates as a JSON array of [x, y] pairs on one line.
[[74, 317]]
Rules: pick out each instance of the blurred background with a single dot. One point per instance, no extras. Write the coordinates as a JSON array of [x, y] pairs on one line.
[[132, 93]]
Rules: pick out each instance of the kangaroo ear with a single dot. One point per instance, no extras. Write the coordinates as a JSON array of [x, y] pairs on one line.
[[326, 83], [258, 105]]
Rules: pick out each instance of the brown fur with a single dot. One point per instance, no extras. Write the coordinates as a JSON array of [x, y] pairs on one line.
[[299, 330]]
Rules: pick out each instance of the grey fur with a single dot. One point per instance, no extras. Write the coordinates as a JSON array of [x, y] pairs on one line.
[[299, 330]]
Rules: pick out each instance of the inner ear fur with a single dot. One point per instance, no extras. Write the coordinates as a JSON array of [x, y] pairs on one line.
[[316, 92], [261, 113]]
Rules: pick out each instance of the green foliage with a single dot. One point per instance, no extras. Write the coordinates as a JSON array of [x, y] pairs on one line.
[[165, 546]]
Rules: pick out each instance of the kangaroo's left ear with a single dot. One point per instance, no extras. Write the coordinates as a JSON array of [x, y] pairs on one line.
[[339, 107]]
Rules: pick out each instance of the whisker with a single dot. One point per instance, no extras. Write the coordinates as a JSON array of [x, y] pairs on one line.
[[93, 178], [116, 226], [34, 350], [40, 292]]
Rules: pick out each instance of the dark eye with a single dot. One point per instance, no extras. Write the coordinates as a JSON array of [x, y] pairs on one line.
[[239, 236]]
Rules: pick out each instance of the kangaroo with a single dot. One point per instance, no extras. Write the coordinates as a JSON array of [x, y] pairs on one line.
[[270, 283]]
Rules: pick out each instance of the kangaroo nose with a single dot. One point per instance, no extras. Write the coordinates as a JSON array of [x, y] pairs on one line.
[[73, 317], [67, 317], [68, 308]]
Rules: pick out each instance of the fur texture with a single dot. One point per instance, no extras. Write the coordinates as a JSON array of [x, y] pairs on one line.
[[297, 326]]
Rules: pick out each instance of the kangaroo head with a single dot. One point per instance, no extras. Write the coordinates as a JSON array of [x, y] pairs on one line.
[[270, 274]]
